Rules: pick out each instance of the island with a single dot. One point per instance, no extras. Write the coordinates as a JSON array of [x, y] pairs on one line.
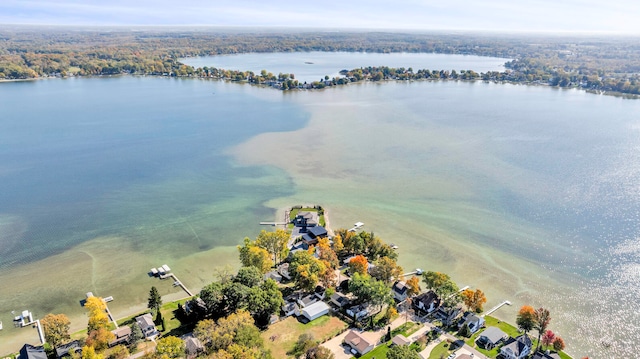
[[304, 290]]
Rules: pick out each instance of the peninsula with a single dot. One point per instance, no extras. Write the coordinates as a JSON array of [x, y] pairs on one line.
[[305, 290]]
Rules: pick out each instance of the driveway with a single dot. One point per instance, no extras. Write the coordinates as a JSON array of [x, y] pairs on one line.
[[336, 347]]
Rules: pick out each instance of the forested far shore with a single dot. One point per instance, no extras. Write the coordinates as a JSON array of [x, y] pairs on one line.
[[596, 63]]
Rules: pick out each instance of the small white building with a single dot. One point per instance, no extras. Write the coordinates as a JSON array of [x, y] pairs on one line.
[[315, 310]]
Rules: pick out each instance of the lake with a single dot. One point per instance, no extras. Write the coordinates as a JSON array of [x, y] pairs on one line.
[[529, 193], [315, 65]]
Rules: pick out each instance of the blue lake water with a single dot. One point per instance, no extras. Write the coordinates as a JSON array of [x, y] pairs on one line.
[[529, 193], [314, 65]]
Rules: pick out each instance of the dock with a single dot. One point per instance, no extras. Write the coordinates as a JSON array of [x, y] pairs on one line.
[[109, 315], [506, 302], [273, 223], [176, 282]]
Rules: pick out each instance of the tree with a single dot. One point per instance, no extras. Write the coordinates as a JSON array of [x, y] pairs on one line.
[[327, 254], [434, 280], [318, 352], [367, 289], [402, 352], [474, 300], [170, 347], [119, 352], [97, 314], [359, 264], [88, 352], [542, 318], [264, 300], [558, 344], [252, 255], [136, 335], [443, 286], [338, 247], [56, 328], [303, 344], [249, 276], [386, 270], [547, 338], [526, 318], [155, 300], [99, 339], [273, 242], [306, 270], [213, 299], [413, 286]]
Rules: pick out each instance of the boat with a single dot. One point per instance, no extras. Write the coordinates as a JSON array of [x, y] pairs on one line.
[[308, 62]]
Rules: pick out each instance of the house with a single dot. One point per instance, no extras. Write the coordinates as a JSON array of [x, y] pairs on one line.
[[472, 321], [315, 310], [516, 348], [314, 234], [196, 306], [290, 308], [447, 316], [491, 337], [400, 291], [65, 350], [306, 301], [121, 335], [300, 246], [339, 300], [427, 302], [306, 219], [273, 275], [283, 269], [30, 352], [358, 342], [359, 311], [400, 340], [145, 322], [547, 355], [192, 346]]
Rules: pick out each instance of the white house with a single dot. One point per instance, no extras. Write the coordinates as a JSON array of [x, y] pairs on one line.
[[315, 310], [400, 291], [517, 348], [145, 322], [359, 311], [472, 321]]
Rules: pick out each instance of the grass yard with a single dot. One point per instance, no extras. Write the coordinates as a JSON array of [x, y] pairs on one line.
[[406, 329], [441, 349], [380, 352], [281, 336]]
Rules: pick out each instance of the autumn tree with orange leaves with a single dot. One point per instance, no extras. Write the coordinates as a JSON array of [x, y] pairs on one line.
[[474, 300], [359, 264]]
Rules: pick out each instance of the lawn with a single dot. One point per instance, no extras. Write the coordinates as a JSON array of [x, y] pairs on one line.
[[441, 349], [380, 352], [406, 329], [281, 336]]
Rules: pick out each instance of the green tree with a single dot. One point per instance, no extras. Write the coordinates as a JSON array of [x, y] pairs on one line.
[[155, 300], [249, 276], [368, 289], [264, 300], [56, 328], [119, 352], [306, 270], [386, 270], [303, 344], [318, 352], [274, 242], [443, 286], [213, 299], [526, 318], [170, 347], [402, 352], [136, 335]]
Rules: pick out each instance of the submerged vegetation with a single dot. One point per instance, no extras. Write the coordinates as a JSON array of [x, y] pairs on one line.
[[600, 64]]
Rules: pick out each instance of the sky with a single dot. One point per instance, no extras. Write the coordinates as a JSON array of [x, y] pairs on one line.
[[613, 16]]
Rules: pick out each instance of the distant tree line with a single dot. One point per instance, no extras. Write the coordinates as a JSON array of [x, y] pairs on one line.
[[609, 64]]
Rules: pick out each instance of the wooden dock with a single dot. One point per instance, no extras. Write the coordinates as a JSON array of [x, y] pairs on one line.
[[273, 223], [177, 282], [506, 302], [109, 315]]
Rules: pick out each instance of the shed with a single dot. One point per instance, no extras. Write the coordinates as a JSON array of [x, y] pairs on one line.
[[400, 340], [315, 310]]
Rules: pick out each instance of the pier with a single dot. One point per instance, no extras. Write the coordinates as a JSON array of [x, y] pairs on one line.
[[273, 223], [506, 302], [106, 307], [176, 282]]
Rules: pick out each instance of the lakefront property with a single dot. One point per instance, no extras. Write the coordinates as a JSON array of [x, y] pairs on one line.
[[306, 290]]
